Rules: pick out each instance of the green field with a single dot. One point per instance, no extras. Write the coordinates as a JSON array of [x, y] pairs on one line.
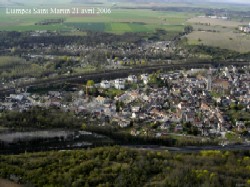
[[213, 32], [216, 22], [118, 21]]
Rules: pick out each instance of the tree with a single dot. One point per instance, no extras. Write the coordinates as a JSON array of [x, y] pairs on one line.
[[152, 78], [155, 125], [143, 62], [90, 84], [188, 29], [119, 106]]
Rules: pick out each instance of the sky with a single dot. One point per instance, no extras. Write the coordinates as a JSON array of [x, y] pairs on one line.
[[234, 1]]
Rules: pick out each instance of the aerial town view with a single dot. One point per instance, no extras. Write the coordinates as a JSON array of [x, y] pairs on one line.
[[124, 93]]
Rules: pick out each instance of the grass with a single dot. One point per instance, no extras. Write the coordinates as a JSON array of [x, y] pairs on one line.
[[35, 27], [119, 21], [86, 69], [118, 27], [225, 34], [225, 40], [17, 67], [215, 22], [8, 61], [216, 94], [88, 26]]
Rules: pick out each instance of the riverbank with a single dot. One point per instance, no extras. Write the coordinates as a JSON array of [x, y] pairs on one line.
[[46, 140]]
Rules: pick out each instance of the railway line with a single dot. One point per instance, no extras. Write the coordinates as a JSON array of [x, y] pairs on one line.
[[113, 74]]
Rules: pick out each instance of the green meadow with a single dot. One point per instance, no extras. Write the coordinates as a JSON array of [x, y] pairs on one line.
[[118, 21]]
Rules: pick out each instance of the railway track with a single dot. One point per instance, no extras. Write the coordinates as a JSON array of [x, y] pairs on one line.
[[112, 74]]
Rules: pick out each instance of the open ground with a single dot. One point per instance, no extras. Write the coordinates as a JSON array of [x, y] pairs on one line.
[[219, 33]]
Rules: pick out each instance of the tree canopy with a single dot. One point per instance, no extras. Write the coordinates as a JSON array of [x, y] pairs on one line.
[[117, 166]]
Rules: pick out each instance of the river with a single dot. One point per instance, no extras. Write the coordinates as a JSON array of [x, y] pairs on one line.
[[43, 140]]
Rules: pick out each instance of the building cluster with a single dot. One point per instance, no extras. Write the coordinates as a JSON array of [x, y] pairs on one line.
[[245, 29], [198, 97]]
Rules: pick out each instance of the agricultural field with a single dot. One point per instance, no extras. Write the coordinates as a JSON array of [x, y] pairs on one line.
[[229, 40], [215, 22], [207, 31], [218, 33], [119, 21]]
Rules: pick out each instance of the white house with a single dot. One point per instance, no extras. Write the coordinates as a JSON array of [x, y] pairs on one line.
[[135, 109], [105, 84], [124, 124], [18, 97], [145, 81], [240, 124], [120, 84], [132, 78], [145, 78], [134, 115]]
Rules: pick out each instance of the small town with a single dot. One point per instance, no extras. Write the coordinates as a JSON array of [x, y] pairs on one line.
[[207, 103], [106, 93]]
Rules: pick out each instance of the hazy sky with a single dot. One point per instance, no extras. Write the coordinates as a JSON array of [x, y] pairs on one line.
[[234, 1]]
